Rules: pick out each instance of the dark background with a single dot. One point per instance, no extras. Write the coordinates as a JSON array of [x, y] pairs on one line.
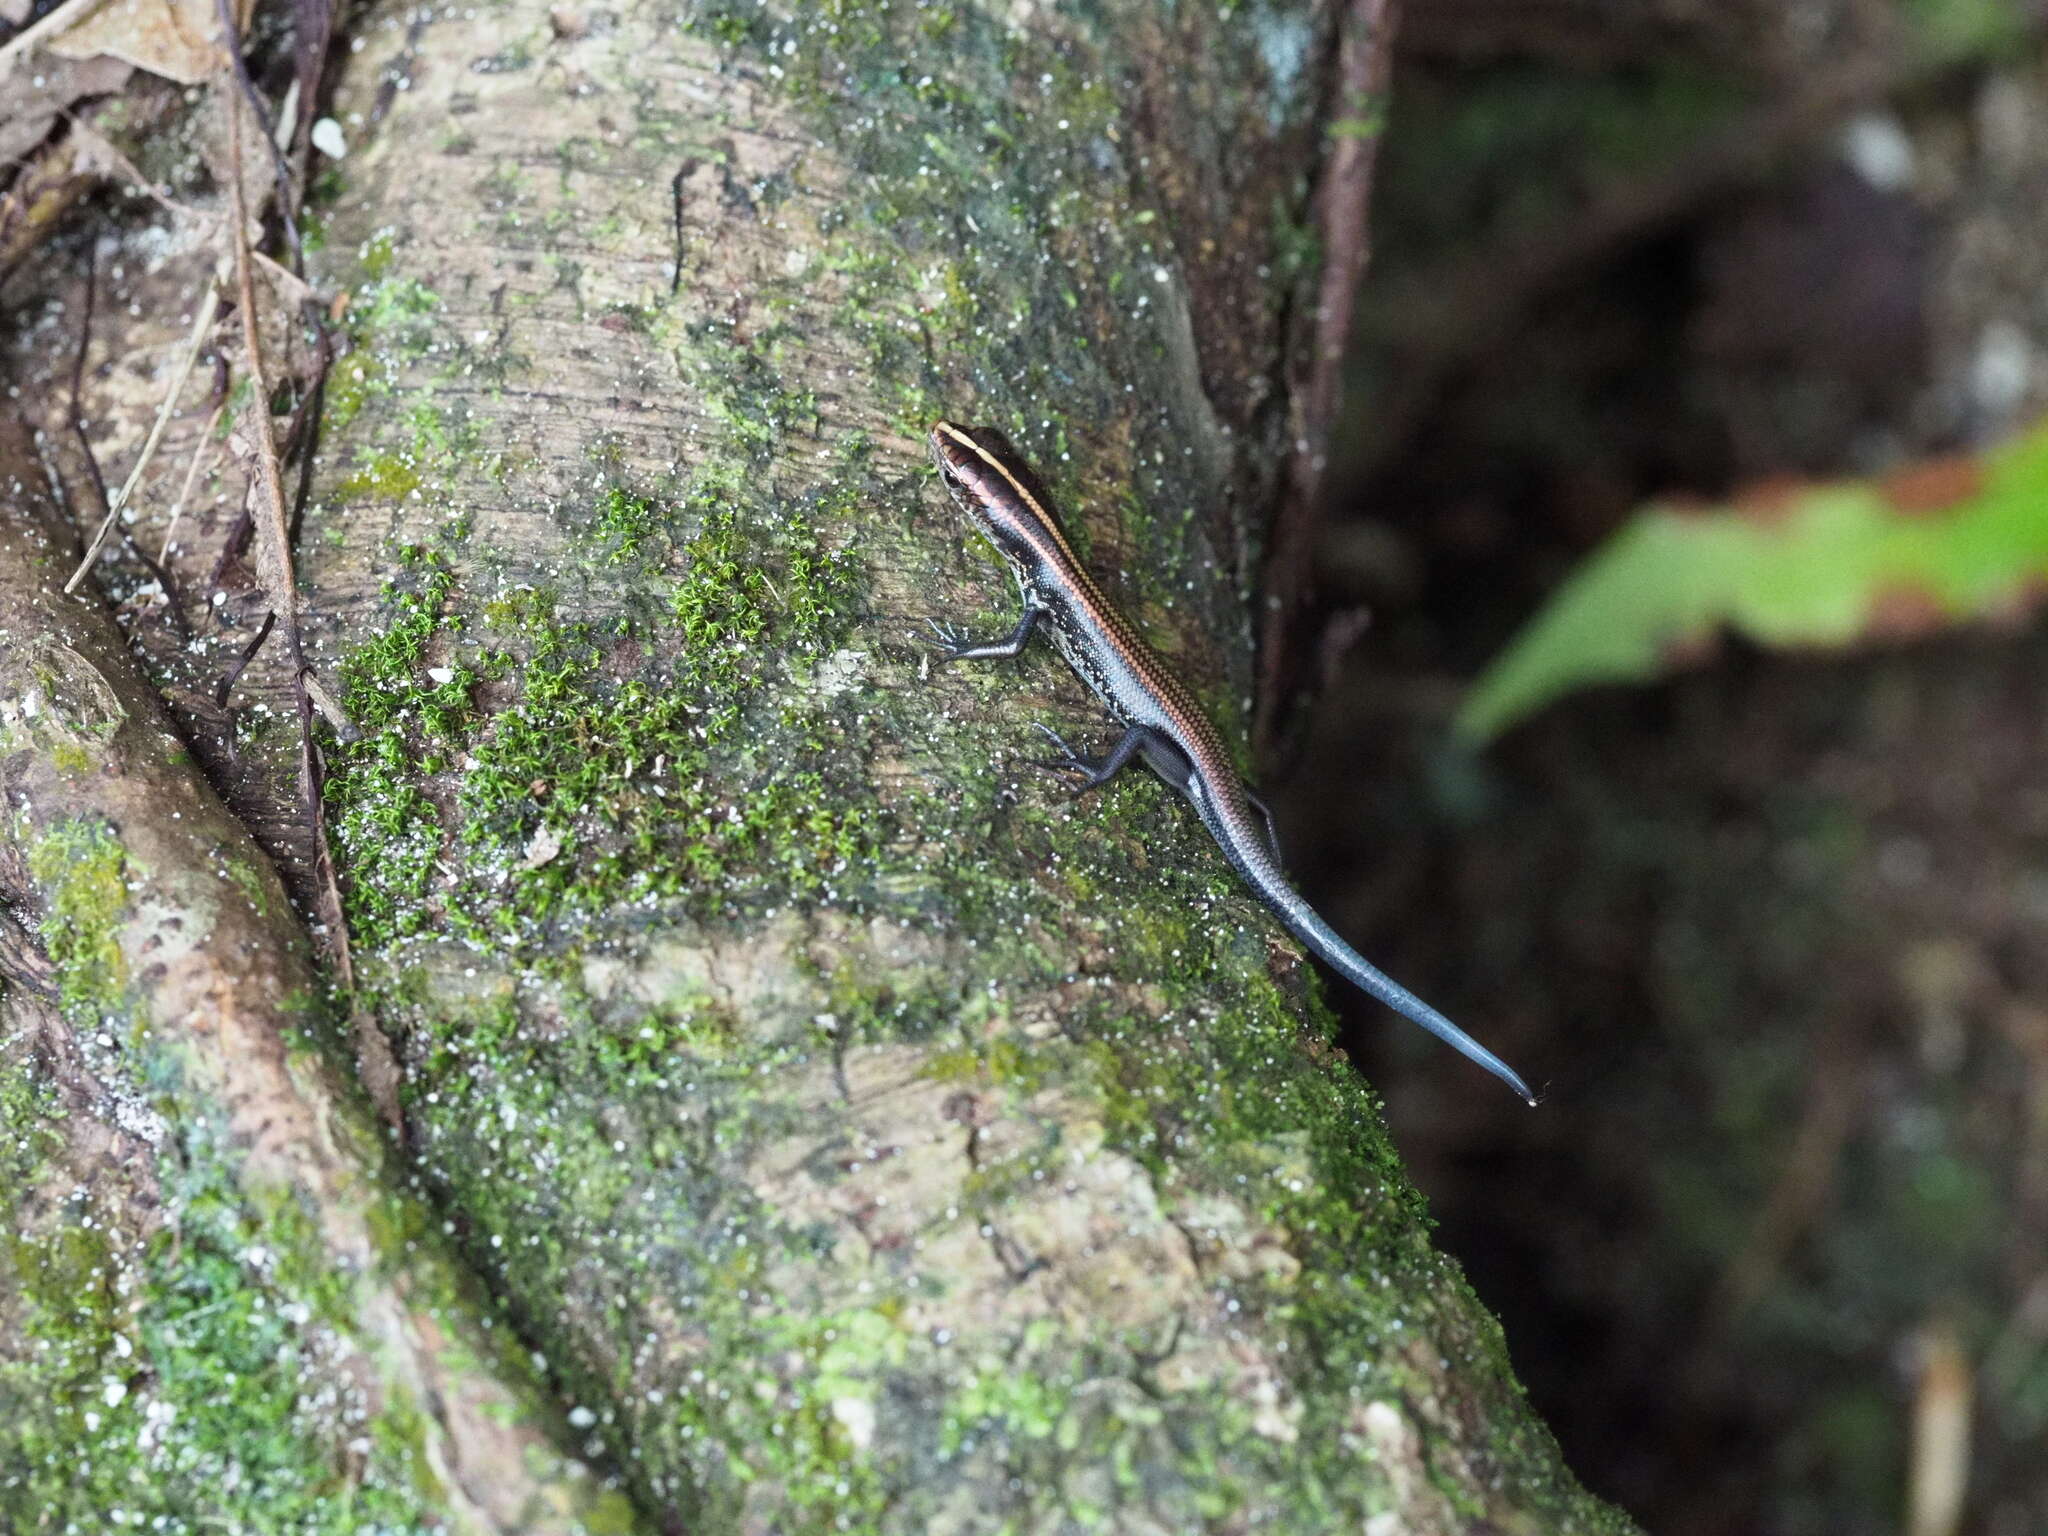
[[1773, 935]]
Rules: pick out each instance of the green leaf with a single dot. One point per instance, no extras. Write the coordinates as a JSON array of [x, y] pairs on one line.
[[1939, 543]]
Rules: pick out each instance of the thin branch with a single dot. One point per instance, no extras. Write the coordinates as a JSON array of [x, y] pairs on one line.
[[281, 580], [231, 39], [191, 474], [302, 435], [375, 1063], [331, 711], [1834, 1095], [227, 683]]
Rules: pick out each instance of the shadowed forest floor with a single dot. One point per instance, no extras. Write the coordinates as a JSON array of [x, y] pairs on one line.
[[1773, 936]]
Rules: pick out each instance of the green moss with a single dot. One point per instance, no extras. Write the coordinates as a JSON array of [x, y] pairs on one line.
[[380, 477], [249, 881], [578, 793], [624, 521], [29, 1112], [390, 321], [179, 1383], [80, 867], [352, 381], [182, 1381], [582, 1206], [376, 255]]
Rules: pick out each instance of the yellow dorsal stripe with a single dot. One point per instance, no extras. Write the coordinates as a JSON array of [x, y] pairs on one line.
[[1045, 518]]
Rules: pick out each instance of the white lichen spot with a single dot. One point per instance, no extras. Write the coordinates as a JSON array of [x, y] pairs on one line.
[[1876, 147], [328, 138], [541, 848], [856, 1415]]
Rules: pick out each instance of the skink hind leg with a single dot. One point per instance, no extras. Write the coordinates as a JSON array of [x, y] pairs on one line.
[[1096, 772], [953, 646], [1272, 830]]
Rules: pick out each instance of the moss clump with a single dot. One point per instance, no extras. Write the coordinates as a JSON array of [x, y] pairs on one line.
[[381, 477], [178, 1383], [81, 867], [625, 522], [593, 1156], [562, 790], [391, 321], [28, 1122]]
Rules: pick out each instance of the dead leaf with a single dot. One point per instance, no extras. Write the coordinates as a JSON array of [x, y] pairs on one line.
[[1933, 485], [51, 179], [178, 39], [33, 104]]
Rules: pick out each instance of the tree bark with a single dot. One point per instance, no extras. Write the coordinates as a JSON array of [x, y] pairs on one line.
[[857, 1133], [171, 1092]]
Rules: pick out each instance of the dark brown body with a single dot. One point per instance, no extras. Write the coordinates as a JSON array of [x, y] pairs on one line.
[[1162, 722]]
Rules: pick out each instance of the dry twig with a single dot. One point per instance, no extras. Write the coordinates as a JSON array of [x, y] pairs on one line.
[[191, 474], [274, 560], [1938, 1471]]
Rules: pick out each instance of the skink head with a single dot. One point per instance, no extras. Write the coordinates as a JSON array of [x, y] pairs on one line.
[[990, 483]]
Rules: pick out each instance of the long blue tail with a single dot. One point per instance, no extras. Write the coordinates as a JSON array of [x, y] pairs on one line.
[[1305, 925], [1246, 848]]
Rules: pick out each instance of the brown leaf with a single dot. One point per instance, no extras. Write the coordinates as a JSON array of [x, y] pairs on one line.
[[51, 180], [178, 39], [1771, 500], [1904, 611], [31, 103], [1933, 485]]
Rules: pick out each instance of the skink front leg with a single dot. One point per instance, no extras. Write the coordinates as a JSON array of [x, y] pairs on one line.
[[953, 647]]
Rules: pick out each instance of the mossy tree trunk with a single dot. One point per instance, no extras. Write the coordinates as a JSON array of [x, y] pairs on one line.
[[858, 1133]]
